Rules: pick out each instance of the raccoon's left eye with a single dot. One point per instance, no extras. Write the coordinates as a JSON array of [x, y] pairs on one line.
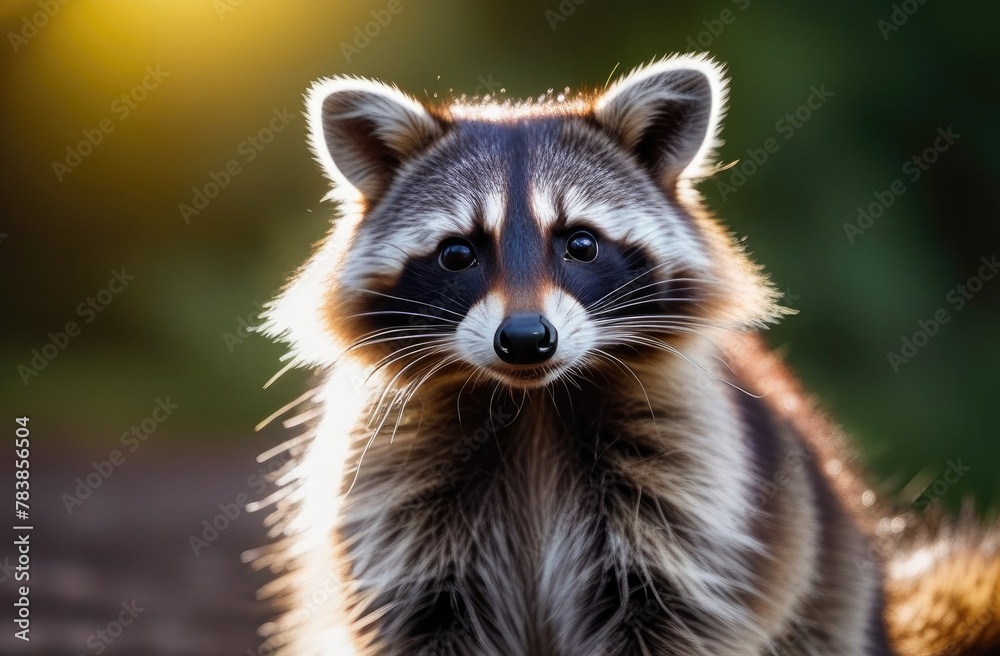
[[581, 246], [457, 254]]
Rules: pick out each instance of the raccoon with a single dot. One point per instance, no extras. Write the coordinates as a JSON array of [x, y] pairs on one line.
[[544, 422]]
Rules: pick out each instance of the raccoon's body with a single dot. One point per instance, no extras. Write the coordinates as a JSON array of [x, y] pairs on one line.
[[544, 424]]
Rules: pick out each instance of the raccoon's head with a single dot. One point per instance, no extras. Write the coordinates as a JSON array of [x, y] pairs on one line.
[[526, 241]]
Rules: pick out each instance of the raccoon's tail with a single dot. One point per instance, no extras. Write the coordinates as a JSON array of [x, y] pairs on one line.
[[943, 593]]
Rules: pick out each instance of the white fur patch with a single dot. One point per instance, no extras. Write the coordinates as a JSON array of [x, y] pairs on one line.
[[414, 238], [576, 334], [494, 211], [474, 335], [541, 199]]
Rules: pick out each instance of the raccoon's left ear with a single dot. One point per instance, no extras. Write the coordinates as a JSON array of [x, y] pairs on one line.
[[667, 115], [362, 132]]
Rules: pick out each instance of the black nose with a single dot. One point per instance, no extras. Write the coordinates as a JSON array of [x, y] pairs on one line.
[[525, 339]]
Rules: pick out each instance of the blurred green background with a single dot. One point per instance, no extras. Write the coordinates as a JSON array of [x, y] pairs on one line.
[[227, 67]]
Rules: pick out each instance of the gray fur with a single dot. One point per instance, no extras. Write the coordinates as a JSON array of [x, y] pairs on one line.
[[660, 487]]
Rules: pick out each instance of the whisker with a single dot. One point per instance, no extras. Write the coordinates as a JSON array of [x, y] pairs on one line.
[[433, 370], [416, 386], [646, 272], [394, 357], [414, 301], [656, 343], [519, 406], [661, 321], [645, 300], [458, 401], [627, 368], [682, 317], [383, 340], [489, 414], [404, 313], [364, 452], [404, 351], [389, 386], [627, 292], [598, 303], [382, 332], [664, 327], [432, 349]]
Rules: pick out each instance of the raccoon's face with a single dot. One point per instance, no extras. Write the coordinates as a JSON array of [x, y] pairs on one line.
[[524, 242]]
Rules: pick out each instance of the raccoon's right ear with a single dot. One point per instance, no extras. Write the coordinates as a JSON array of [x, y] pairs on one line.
[[362, 131], [667, 115]]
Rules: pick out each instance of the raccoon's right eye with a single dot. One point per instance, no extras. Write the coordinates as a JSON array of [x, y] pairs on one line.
[[581, 246], [457, 254]]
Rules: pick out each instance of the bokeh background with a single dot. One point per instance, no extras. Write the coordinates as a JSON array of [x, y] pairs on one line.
[[223, 83]]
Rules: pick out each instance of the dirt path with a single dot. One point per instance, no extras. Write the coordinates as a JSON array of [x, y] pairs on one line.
[[125, 554]]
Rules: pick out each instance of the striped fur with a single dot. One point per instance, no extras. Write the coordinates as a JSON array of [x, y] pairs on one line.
[[658, 486]]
